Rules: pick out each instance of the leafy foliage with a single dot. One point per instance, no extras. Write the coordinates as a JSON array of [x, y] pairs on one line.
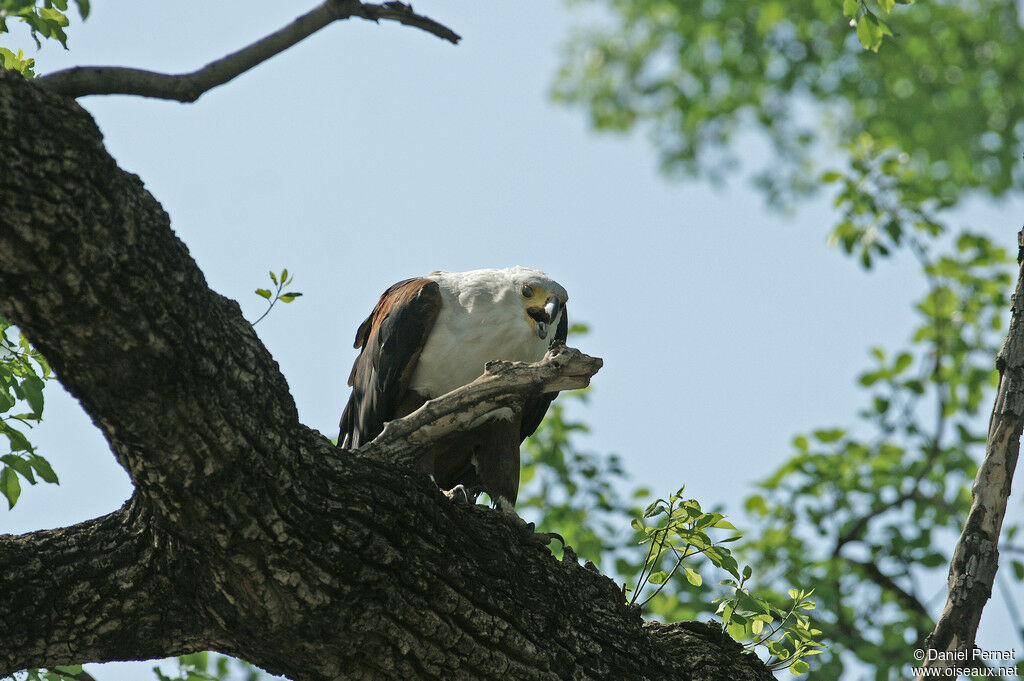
[[865, 512], [866, 19], [17, 62], [45, 19], [696, 74], [23, 374], [676, 528], [785, 633], [679, 533]]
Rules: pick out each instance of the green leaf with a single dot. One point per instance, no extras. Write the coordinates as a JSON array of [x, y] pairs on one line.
[[21, 465], [653, 509], [6, 401], [33, 387], [10, 486], [903, 361], [850, 9], [263, 293], [829, 435], [18, 441], [693, 577], [869, 33], [799, 667], [70, 669], [659, 577], [290, 296], [887, 5], [42, 467], [1018, 570]]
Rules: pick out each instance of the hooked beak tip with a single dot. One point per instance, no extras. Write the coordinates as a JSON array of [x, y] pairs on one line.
[[552, 306]]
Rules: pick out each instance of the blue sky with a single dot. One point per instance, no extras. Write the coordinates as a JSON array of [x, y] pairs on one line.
[[368, 154]]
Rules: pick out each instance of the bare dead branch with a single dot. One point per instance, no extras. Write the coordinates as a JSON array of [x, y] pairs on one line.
[[188, 87], [975, 559], [503, 385]]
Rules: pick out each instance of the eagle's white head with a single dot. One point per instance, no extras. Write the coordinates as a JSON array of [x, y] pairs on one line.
[[519, 291]]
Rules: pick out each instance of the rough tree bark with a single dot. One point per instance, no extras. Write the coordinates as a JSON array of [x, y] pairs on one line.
[[249, 533]]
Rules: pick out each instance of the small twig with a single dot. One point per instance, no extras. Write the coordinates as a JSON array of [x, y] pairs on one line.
[[654, 563], [640, 581], [188, 87], [270, 307], [679, 561]]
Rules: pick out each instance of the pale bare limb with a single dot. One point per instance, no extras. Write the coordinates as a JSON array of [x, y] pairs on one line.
[[975, 558], [188, 87], [502, 385]]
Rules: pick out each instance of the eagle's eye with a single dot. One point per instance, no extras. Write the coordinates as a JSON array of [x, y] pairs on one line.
[[527, 291]]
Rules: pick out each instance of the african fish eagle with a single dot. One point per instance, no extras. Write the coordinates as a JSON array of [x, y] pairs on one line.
[[429, 335]]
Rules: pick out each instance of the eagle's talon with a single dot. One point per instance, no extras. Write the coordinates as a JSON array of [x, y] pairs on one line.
[[545, 538]]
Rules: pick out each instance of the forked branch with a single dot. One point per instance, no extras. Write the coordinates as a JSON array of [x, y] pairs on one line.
[[188, 87]]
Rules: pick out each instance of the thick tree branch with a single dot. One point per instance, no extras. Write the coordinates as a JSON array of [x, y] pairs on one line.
[[188, 87], [269, 542], [976, 557], [97, 591]]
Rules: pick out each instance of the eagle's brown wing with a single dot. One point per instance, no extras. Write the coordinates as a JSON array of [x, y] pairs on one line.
[[391, 338]]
